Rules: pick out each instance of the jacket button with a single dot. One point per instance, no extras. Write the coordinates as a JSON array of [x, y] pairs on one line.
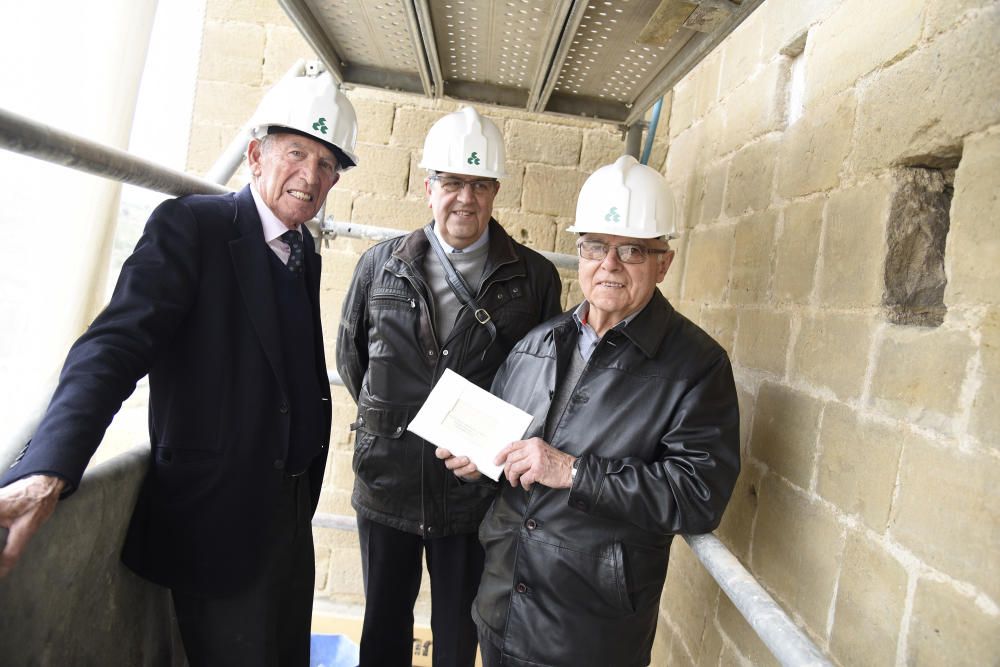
[[283, 408], [430, 353], [399, 429], [521, 588], [444, 353], [531, 524], [279, 464], [430, 529]]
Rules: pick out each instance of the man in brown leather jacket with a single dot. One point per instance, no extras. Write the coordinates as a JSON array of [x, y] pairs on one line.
[[403, 325], [635, 439]]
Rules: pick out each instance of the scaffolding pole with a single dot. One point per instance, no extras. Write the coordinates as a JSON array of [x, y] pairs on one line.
[[28, 137]]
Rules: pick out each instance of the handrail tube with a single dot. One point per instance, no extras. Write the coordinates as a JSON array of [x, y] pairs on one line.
[[231, 159], [779, 633], [29, 137], [372, 233]]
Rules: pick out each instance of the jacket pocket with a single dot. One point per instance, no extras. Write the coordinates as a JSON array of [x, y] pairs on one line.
[[391, 298], [362, 445], [183, 477], [589, 583], [645, 570]]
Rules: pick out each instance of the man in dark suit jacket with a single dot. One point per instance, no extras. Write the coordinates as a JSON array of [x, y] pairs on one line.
[[219, 304]]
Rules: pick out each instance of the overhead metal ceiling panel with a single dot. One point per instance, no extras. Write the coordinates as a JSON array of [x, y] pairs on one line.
[[605, 59]]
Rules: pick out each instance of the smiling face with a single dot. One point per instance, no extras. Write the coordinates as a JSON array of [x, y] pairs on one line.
[[462, 216], [614, 289], [292, 174]]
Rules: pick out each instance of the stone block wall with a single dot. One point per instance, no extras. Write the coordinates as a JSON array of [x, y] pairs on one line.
[[868, 502]]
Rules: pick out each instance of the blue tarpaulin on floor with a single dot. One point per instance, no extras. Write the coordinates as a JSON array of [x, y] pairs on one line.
[[332, 651]]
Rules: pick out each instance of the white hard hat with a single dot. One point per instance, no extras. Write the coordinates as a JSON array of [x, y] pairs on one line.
[[314, 107], [626, 199], [464, 142]]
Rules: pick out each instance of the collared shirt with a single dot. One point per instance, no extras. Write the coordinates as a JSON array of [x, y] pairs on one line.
[[478, 243], [588, 340], [273, 228]]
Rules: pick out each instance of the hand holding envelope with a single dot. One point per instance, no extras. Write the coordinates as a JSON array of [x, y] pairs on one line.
[[469, 421]]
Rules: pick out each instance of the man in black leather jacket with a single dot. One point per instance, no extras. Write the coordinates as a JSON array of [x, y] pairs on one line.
[[635, 439], [402, 326]]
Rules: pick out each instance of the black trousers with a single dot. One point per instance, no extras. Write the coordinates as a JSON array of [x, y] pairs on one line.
[[391, 566], [269, 624]]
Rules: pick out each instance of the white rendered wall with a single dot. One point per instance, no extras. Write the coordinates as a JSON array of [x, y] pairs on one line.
[[75, 66]]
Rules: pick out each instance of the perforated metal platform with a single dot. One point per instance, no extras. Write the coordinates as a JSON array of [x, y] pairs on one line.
[[605, 59]]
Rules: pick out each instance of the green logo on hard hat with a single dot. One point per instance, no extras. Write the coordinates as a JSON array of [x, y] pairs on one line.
[[320, 125], [473, 159], [612, 215]]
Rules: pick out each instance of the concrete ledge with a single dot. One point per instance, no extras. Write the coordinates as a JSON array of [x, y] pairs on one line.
[[70, 601]]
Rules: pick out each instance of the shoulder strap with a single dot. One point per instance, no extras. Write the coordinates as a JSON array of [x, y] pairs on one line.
[[458, 284]]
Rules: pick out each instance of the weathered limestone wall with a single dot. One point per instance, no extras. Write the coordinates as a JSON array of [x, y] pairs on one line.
[[868, 504]]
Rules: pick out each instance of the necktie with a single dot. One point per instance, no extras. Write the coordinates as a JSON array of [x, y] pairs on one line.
[[294, 241]]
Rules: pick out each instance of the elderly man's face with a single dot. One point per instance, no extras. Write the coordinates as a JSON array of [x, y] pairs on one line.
[[462, 206], [293, 175], [615, 289]]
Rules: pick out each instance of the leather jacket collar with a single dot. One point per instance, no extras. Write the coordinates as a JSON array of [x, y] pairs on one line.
[[413, 247], [646, 330]]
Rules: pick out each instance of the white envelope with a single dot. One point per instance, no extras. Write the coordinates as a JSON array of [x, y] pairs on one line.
[[469, 421]]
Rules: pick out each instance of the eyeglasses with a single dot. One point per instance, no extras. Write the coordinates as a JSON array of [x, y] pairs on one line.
[[453, 185], [628, 253]]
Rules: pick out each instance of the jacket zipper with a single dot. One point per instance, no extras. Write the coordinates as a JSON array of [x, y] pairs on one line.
[[395, 297], [421, 289]]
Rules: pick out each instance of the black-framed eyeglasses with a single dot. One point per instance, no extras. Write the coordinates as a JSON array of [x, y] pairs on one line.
[[628, 253], [451, 185]]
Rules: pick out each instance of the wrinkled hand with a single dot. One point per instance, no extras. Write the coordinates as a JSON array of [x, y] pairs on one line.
[[24, 506], [460, 465], [535, 461]]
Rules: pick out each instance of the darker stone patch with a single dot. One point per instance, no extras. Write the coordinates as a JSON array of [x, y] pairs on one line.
[[915, 240]]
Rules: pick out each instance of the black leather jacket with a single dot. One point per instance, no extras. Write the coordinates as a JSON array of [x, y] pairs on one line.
[[574, 576], [390, 357]]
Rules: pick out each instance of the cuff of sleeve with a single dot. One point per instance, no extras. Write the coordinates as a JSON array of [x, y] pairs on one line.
[[482, 480], [11, 476], [586, 488]]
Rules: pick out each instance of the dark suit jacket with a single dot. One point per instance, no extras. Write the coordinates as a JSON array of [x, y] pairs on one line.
[[194, 308]]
